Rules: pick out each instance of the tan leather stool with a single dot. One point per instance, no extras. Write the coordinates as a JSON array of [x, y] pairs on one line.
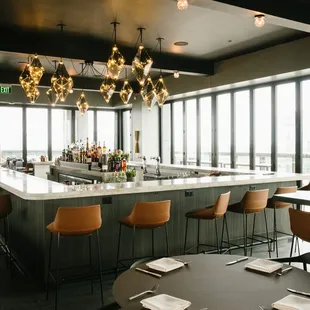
[[253, 202], [70, 222], [145, 215], [210, 213], [5, 211], [273, 204]]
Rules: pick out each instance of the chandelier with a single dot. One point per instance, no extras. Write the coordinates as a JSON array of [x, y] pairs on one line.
[[148, 93], [82, 104], [36, 70], [61, 81], [29, 85], [126, 91], [160, 88], [116, 61], [182, 5], [107, 88], [142, 63]]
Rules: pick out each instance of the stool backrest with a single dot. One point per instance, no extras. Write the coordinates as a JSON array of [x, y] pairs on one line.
[[255, 201], [300, 224], [150, 213], [78, 219], [221, 204], [284, 190], [5, 206], [305, 188]]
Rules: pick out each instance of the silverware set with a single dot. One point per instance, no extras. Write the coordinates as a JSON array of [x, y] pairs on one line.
[[151, 291], [237, 261], [283, 271]]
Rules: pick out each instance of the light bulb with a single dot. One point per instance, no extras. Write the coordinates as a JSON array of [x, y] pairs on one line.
[[259, 20], [182, 5], [176, 74]]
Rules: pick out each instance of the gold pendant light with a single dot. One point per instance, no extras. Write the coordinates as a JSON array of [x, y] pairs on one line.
[[126, 91], [62, 83], [148, 93], [36, 70], [142, 63], [107, 88], [29, 85], [82, 104], [160, 87], [116, 61]]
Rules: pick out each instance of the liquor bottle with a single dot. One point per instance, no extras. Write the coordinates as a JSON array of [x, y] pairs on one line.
[[87, 145]]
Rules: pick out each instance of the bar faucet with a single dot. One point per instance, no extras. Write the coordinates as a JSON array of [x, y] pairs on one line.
[[157, 171], [144, 164]]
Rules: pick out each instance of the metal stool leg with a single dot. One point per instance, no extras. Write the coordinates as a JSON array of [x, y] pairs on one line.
[[118, 249], [245, 233], [90, 263], [167, 241], [253, 229], [100, 265], [217, 237], [133, 243], [153, 250], [49, 266], [57, 273], [186, 227], [222, 235], [269, 250], [227, 232], [292, 247], [198, 231], [275, 231], [6, 238]]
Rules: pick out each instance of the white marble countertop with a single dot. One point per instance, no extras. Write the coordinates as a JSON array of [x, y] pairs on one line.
[[32, 188], [41, 163]]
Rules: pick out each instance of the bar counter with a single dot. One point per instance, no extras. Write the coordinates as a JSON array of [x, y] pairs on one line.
[[35, 202]]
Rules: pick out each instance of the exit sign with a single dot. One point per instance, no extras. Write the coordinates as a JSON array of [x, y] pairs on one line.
[[4, 89]]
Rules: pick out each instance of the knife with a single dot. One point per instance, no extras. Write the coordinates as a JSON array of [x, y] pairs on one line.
[[237, 261], [149, 272], [298, 292]]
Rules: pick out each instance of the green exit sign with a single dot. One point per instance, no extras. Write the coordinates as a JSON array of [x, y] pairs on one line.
[[4, 89]]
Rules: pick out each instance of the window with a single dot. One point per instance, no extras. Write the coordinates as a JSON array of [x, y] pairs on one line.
[[178, 132], [127, 143], [262, 115], [285, 109], [36, 133], [84, 126], [224, 129], [191, 131], [305, 99], [166, 133], [242, 110], [61, 131], [106, 129], [11, 137], [205, 131]]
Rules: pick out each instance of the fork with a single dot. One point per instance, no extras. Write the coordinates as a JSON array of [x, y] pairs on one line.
[[151, 291], [182, 261], [261, 307]]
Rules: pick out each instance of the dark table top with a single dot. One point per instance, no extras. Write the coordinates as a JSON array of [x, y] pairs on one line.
[[207, 283]]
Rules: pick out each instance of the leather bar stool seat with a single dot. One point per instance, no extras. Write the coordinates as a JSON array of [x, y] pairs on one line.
[[145, 215], [274, 204], [73, 222], [218, 210], [5, 211], [253, 202]]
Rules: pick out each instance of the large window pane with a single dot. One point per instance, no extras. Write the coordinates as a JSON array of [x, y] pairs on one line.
[[242, 108], [61, 131], [178, 132], [224, 132], [166, 133], [36, 133], [127, 144], [11, 133], [106, 129], [84, 126], [262, 115], [285, 106], [191, 134], [305, 98], [205, 131]]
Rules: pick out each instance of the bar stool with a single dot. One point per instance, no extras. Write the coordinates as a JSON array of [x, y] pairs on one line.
[[253, 202], [70, 222], [210, 213], [275, 205], [5, 211], [145, 215]]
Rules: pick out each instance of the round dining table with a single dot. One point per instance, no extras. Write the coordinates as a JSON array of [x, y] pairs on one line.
[[209, 284]]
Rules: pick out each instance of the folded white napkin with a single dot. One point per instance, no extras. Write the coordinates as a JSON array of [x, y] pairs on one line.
[[264, 265], [292, 302], [165, 302], [165, 264]]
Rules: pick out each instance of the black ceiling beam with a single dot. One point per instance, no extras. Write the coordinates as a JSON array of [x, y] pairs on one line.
[[78, 46], [295, 10], [12, 77]]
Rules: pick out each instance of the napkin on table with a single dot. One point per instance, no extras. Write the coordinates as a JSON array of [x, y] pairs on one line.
[[292, 302], [165, 302], [264, 265], [165, 264]]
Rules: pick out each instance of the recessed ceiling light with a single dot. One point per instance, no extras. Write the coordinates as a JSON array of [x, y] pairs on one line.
[[180, 43], [176, 74], [259, 20]]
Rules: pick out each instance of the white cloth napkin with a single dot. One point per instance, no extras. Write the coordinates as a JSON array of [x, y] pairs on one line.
[[165, 264], [264, 265], [292, 302], [165, 302]]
